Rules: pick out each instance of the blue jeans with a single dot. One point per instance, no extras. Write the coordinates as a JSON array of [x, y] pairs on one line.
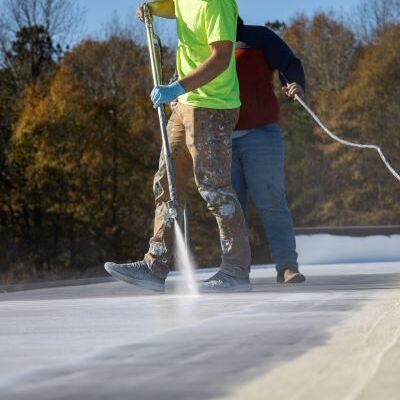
[[258, 169]]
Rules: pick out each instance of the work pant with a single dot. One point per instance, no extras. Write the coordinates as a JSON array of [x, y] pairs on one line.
[[258, 169], [200, 142]]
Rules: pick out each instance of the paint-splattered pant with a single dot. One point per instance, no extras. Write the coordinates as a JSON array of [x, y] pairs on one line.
[[200, 142]]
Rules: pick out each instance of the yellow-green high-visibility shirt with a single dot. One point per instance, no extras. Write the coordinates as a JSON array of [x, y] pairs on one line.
[[200, 23]]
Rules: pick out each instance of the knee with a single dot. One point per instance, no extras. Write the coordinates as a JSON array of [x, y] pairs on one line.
[[221, 201]]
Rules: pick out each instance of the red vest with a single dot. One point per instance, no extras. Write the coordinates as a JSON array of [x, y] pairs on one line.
[[260, 105]]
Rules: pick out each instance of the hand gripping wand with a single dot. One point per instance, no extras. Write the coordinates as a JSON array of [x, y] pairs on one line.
[[156, 73]]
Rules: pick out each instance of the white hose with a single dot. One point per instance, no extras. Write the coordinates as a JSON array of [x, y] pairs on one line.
[[345, 142]]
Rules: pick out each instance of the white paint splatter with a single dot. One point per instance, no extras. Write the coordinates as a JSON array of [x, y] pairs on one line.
[[227, 210], [157, 249]]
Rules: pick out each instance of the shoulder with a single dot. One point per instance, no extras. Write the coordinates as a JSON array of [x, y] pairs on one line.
[[254, 35], [258, 30], [220, 4]]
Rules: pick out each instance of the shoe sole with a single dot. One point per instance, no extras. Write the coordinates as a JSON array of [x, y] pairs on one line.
[[154, 287], [297, 278], [240, 289]]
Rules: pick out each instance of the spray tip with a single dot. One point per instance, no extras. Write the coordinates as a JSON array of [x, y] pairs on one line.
[[172, 210], [173, 214]]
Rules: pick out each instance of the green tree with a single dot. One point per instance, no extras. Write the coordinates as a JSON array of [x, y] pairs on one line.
[[279, 27], [31, 55]]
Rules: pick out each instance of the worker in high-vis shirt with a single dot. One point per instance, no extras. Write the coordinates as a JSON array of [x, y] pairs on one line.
[[200, 134]]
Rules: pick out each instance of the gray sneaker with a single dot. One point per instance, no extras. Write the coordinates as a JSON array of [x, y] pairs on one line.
[[222, 282], [138, 274]]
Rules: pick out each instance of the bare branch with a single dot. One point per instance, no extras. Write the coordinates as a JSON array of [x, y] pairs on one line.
[[62, 18], [373, 16]]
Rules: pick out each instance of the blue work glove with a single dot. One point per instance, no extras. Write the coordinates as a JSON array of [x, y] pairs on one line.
[[165, 94]]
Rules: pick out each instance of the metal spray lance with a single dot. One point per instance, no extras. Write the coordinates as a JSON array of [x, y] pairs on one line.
[[156, 74]]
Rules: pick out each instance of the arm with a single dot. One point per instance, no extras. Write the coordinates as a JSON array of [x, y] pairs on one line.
[[159, 8], [215, 65], [294, 81], [220, 20], [280, 57], [294, 72]]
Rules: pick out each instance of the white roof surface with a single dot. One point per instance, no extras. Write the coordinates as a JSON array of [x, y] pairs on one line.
[[335, 337]]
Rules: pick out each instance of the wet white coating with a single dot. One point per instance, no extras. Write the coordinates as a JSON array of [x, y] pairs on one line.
[[112, 340]]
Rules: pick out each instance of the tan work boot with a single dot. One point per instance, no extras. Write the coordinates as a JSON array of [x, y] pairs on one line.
[[290, 275]]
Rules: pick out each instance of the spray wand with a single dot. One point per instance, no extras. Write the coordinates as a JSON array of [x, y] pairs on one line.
[[156, 73], [342, 141]]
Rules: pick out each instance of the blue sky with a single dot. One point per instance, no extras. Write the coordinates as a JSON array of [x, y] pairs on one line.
[[98, 12]]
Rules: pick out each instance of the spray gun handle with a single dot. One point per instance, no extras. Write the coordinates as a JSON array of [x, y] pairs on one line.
[[148, 17]]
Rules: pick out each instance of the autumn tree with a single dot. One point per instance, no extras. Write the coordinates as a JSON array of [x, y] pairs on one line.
[[328, 50], [349, 87], [83, 157], [370, 113]]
